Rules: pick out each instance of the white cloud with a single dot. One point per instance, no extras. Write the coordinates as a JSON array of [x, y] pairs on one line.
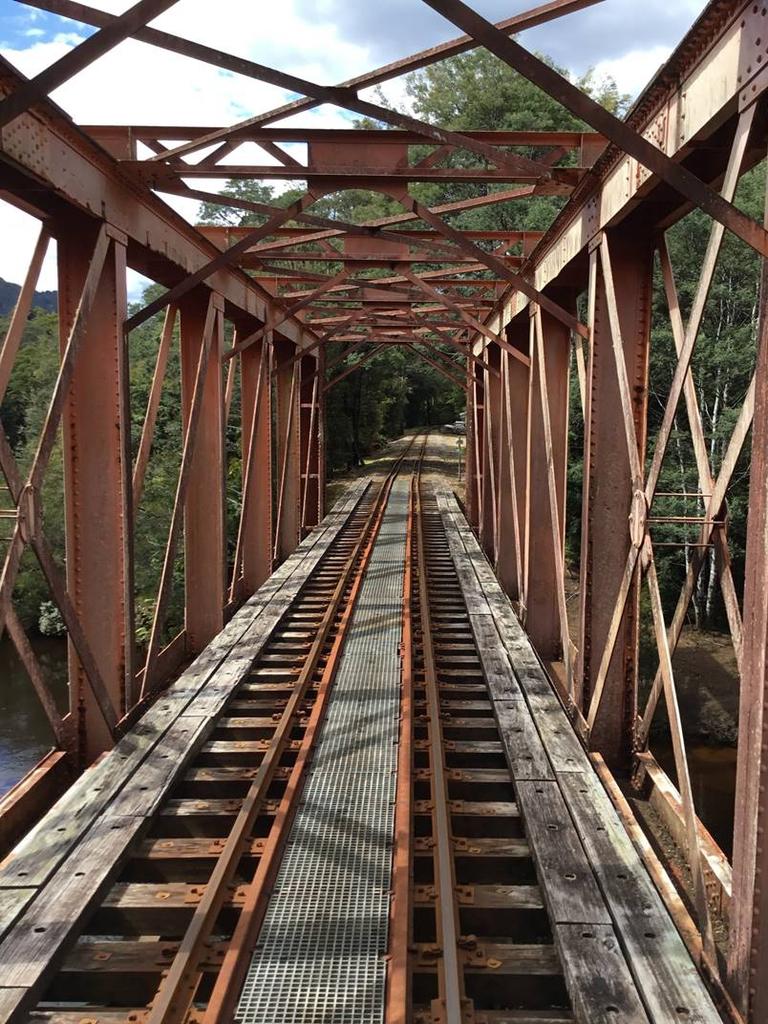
[[635, 69], [136, 83], [141, 84], [19, 232]]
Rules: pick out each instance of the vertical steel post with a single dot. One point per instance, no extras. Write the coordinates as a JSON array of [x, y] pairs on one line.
[[97, 482], [310, 440], [256, 398], [515, 385], [475, 445], [321, 436], [204, 509], [490, 463], [287, 425], [607, 492], [542, 620], [747, 974]]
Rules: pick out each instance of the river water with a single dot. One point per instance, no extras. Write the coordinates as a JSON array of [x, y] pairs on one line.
[[713, 783], [25, 735]]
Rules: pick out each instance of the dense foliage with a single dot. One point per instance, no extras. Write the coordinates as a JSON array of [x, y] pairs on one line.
[[395, 391]]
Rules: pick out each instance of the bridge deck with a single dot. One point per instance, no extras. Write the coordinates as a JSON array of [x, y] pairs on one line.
[[133, 883]]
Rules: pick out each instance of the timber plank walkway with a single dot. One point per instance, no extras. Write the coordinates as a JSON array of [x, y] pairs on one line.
[[622, 955]]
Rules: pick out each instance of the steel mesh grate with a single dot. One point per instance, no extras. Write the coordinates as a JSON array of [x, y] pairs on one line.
[[320, 954]]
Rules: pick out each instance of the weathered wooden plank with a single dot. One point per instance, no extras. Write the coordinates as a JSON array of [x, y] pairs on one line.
[[462, 542], [512, 959], [10, 999], [663, 970], [165, 763], [140, 956], [38, 941], [564, 873], [498, 672], [12, 903], [501, 897], [482, 808], [107, 1015], [188, 848], [563, 746], [151, 895], [33, 860], [525, 752], [597, 977]]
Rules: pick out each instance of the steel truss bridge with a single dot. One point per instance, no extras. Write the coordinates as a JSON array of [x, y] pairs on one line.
[[374, 777]]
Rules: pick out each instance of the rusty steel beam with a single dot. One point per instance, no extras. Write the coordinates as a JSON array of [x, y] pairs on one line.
[[517, 23], [431, 252], [311, 432], [54, 163], [607, 494], [97, 482], [498, 265], [603, 121], [747, 979], [199, 340], [537, 16], [353, 176], [465, 349], [222, 260], [565, 140], [334, 230], [253, 550], [463, 315], [21, 311], [93, 268], [287, 313], [153, 405], [204, 509], [339, 96], [547, 459], [288, 446], [488, 532], [475, 426], [513, 442]]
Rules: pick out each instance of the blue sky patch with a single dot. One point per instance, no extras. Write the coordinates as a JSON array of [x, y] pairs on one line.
[[22, 26]]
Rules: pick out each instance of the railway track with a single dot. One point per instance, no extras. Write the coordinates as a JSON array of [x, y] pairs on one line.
[[482, 946], [167, 940], [377, 812]]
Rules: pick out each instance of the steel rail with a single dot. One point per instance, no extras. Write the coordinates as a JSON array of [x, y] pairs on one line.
[[178, 989], [225, 993], [399, 988], [451, 976]]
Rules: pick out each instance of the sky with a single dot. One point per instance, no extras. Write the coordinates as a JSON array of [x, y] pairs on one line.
[[324, 41]]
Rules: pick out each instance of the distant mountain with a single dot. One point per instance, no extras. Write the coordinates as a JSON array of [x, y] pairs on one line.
[[10, 292]]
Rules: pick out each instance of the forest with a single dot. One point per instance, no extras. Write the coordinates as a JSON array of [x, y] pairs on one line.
[[394, 392]]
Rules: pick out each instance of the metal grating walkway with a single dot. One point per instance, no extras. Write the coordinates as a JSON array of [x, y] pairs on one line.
[[320, 954]]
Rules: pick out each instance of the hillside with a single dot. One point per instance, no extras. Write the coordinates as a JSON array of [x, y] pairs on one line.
[[9, 293]]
